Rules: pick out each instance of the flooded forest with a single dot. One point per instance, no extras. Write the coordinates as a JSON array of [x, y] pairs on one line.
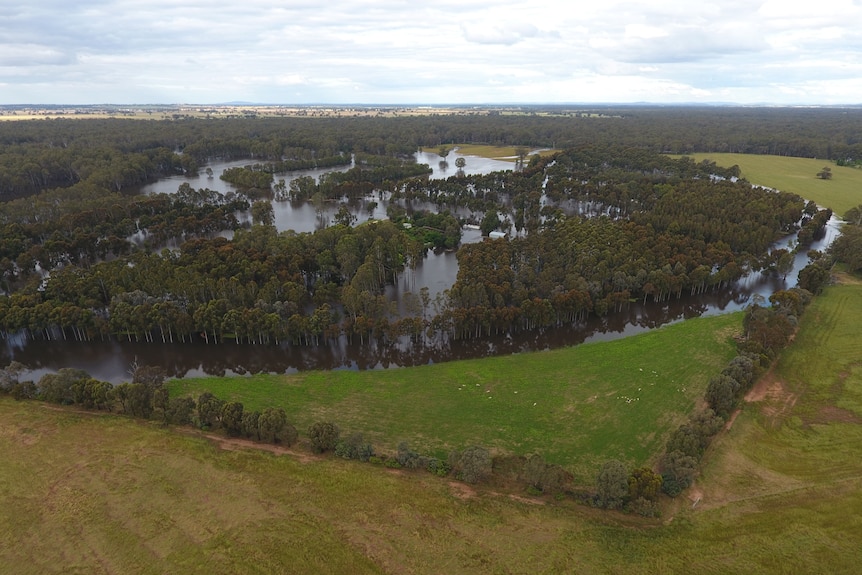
[[278, 244]]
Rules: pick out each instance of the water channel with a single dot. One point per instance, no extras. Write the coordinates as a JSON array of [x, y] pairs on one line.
[[110, 361]]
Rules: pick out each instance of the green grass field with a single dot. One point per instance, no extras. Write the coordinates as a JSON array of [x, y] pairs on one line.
[[798, 175], [577, 406], [505, 153], [781, 492]]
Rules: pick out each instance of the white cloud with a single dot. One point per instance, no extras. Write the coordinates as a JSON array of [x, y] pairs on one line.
[[469, 51], [506, 33]]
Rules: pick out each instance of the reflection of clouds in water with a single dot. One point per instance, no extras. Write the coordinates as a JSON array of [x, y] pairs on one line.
[[301, 216]]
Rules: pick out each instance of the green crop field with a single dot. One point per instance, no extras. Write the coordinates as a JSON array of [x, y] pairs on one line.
[[577, 406], [781, 492], [798, 175]]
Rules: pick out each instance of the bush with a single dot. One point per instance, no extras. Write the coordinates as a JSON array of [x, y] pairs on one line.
[[644, 507], [471, 465], [24, 390], [437, 467], [644, 483], [813, 278], [273, 427], [354, 448], [231, 418], [180, 410], [324, 436], [678, 472], [406, 458], [612, 485], [721, 394], [546, 477], [391, 463]]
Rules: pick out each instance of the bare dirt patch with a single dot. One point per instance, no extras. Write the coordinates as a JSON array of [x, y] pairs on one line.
[[462, 490], [777, 399], [236, 444]]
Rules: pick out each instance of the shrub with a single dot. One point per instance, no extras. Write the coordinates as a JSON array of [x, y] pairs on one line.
[[471, 465], [324, 436], [612, 486], [678, 471], [721, 394], [437, 467], [644, 507], [391, 463], [644, 483], [273, 427], [406, 458], [354, 447]]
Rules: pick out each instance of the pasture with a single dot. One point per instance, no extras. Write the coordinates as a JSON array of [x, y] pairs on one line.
[[504, 153], [577, 406]]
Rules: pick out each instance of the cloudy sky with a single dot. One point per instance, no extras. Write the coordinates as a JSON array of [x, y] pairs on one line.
[[432, 52]]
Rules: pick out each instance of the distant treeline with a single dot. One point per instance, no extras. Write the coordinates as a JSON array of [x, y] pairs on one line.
[[37, 155]]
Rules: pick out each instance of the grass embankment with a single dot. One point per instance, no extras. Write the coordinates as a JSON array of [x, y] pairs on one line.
[[781, 493], [576, 406], [799, 176]]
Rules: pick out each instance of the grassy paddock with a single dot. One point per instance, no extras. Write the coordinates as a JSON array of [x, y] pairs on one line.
[[790, 469], [781, 493], [576, 406], [505, 153], [799, 176]]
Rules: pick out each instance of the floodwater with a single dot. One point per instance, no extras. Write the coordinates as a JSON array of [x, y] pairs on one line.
[[437, 271], [110, 361]]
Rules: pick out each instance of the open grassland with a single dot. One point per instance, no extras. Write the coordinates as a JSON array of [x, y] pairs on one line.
[[576, 406], [505, 153], [781, 493], [799, 176]]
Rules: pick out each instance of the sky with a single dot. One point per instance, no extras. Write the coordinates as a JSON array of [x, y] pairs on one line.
[[782, 52]]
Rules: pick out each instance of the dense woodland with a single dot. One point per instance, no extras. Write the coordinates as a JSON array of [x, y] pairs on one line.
[[596, 225]]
